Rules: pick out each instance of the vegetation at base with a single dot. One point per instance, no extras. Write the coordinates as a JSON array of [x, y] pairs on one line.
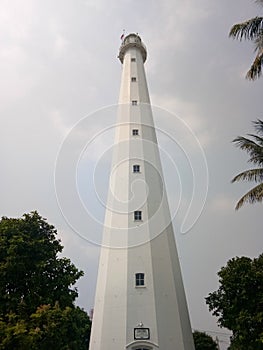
[[238, 303], [37, 290], [204, 341]]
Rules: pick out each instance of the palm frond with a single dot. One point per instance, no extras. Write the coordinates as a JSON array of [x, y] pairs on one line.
[[244, 143], [258, 124], [256, 159], [254, 147], [254, 150], [249, 175], [257, 139], [255, 70], [259, 42], [248, 30], [253, 196]]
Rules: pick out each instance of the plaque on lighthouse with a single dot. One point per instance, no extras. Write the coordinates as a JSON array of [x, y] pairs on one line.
[[141, 333]]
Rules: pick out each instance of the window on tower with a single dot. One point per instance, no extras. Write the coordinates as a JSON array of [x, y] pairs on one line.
[[133, 59], [134, 102], [133, 79], [136, 168], [135, 132], [137, 215], [139, 279]]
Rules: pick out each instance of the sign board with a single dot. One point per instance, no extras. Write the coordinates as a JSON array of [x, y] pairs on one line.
[[141, 333]]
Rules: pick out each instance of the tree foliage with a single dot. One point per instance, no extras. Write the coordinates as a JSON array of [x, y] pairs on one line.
[[254, 147], [252, 29], [204, 341], [37, 290], [48, 328], [238, 303]]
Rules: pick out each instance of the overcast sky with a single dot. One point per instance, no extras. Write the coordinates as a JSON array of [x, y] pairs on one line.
[[58, 65]]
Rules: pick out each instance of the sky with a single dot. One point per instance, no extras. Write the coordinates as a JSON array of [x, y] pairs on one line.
[[60, 80]]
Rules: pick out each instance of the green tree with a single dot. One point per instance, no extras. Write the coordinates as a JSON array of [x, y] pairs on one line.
[[53, 328], [251, 29], [37, 290], [30, 270], [203, 341], [254, 147], [48, 328], [238, 303]]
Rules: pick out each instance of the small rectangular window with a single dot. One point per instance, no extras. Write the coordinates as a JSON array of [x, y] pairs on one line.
[[139, 279], [134, 102], [137, 215], [135, 132], [133, 59], [136, 168], [133, 79]]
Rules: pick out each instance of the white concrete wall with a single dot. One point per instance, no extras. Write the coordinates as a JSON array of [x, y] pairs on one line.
[[131, 247]]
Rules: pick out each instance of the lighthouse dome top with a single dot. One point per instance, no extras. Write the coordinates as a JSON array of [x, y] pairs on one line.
[[132, 40]]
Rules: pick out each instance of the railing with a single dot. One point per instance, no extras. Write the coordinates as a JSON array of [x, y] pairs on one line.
[[132, 39], [129, 41]]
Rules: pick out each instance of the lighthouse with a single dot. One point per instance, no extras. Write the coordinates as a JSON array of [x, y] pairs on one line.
[[140, 302]]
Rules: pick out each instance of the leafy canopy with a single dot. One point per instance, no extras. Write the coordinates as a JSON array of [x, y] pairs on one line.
[[47, 328], [204, 341], [37, 290], [238, 303]]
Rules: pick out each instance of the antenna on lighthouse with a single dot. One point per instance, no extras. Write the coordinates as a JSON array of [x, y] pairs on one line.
[[123, 34]]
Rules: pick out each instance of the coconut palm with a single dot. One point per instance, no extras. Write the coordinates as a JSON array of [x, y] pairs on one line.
[[252, 30], [254, 147]]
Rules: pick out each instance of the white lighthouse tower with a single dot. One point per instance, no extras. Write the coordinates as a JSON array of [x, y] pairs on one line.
[[140, 301]]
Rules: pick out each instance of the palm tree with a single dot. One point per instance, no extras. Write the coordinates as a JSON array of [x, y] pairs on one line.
[[254, 147], [251, 30]]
